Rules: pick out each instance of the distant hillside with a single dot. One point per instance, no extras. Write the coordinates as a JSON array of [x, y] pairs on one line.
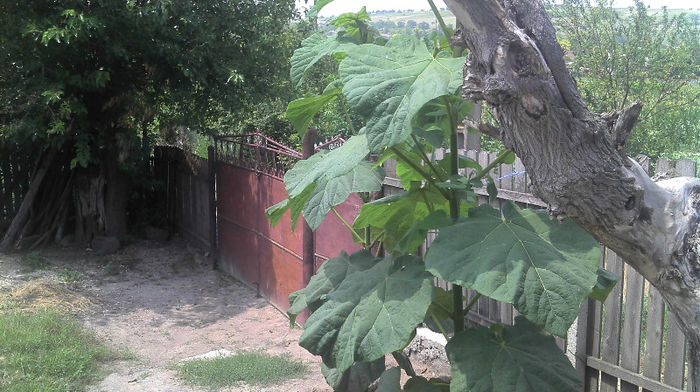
[[405, 21]]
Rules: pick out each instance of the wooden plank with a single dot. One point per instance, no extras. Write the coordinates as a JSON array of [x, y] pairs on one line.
[[610, 344], [632, 326], [686, 167], [654, 335], [518, 197], [616, 372], [592, 344], [495, 172], [675, 354], [506, 314], [663, 165], [494, 310], [506, 174], [519, 181], [589, 338]]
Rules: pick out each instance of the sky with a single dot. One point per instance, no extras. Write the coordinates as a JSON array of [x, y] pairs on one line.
[[339, 6]]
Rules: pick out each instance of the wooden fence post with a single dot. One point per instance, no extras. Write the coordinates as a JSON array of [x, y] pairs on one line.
[[213, 249], [308, 234]]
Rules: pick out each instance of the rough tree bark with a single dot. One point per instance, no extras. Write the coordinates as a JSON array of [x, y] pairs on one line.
[[576, 158]]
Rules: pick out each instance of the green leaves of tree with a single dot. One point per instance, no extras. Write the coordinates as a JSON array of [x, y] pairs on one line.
[[545, 269], [389, 84], [371, 313], [526, 361]]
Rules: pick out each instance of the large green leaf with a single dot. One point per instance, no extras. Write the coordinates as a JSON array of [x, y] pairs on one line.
[[355, 26], [372, 313], [313, 49], [301, 111], [335, 174], [605, 283], [390, 381], [544, 268], [357, 378], [401, 216], [327, 279], [317, 6], [389, 84], [295, 205], [519, 358]]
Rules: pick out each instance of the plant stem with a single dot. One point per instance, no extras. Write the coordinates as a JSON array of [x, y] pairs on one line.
[[352, 230], [499, 159], [457, 291], [420, 171], [471, 303], [443, 26], [427, 160]]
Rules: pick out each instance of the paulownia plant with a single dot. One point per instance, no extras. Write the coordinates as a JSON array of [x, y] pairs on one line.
[[368, 304]]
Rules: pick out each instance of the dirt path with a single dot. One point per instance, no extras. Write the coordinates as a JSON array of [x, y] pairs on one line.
[[163, 304]]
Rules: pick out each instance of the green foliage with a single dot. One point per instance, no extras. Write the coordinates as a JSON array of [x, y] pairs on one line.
[[351, 324], [366, 305], [389, 84], [618, 57], [526, 359], [544, 268], [252, 368], [77, 73], [357, 378], [328, 278], [303, 110], [44, 351], [327, 179]]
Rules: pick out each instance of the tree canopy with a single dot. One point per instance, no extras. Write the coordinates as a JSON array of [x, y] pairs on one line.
[[619, 56], [71, 70], [83, 79]]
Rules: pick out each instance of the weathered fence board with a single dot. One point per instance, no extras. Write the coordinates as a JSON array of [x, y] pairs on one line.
[[186, 185]]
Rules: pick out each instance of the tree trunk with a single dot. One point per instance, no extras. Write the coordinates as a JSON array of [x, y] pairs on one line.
[[576, 158], [22, 216], [116, 192], [89, 206]]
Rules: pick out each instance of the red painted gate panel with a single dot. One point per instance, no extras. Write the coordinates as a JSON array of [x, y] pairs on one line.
[[249, 179]]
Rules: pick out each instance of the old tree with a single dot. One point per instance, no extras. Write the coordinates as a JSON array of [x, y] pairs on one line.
[[83, 83], [576, 156]]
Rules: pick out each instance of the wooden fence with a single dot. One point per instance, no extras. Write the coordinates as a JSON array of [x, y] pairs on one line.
[[186, 192], [16, 166], [628, 343]]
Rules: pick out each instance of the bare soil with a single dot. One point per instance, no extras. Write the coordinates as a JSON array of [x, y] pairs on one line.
[[163, 303]]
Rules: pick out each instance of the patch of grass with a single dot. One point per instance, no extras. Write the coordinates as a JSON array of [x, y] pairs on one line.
[[253, 368], [45, 351], [70, 276], [33, 261]]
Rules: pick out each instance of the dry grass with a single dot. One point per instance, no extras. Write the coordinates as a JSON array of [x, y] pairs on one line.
[[43, 294]]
